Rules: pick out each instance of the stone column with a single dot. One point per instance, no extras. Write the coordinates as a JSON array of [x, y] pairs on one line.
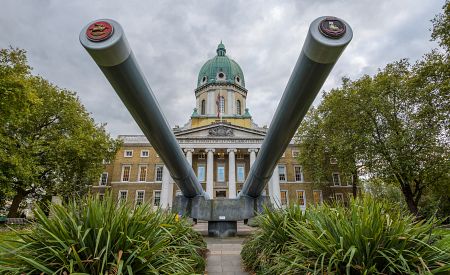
[[231, 173], [165, 189], [189, 152], [210, 172], [252, 155], [274, 188]]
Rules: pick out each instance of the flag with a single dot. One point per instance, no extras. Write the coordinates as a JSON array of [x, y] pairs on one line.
[[218, 105]]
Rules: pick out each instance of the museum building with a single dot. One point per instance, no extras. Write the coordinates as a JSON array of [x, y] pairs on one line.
[[221, 142]]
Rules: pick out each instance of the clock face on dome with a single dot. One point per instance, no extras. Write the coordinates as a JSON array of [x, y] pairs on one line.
[[332, 27]]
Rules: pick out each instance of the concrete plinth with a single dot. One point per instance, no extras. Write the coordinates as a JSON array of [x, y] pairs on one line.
[[222, 229]]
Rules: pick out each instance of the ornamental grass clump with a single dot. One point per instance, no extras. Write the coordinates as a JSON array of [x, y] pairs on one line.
[[102, 237], [368, 237]]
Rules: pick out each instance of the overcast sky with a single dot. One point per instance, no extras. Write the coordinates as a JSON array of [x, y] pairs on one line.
[[173, 39]]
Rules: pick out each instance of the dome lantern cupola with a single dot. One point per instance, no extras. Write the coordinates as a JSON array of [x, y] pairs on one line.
[[221, 69]]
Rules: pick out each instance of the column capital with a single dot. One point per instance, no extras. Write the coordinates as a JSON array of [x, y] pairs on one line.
[[189, 150], [253, 150], [210, 150], [231, 150]]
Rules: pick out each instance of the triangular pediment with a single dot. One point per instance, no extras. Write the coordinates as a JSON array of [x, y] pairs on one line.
[[220, 131]]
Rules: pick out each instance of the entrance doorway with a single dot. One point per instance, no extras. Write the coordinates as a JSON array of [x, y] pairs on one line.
[[221, 193]]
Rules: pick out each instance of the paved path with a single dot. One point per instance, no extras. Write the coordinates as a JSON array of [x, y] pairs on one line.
[[224, 256]]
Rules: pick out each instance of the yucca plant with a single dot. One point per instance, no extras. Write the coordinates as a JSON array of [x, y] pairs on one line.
[[96, 236], [368, 237], [269, 239]]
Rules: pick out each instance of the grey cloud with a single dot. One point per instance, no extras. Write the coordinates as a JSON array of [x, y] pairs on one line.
[[172, 39]]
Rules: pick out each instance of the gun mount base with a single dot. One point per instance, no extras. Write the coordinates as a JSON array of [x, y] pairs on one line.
[[222, 214]]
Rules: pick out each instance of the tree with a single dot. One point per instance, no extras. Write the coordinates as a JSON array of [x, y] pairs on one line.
[[48, 142], [393, 125]]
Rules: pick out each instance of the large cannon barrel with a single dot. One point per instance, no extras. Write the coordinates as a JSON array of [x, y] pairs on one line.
[[105, 41], [326, 39]]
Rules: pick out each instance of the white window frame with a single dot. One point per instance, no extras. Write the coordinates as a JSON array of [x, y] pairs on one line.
[[321, 196], [295, 152], [287, 197], [154, 198], [119, 197], [221, 165], [285, 173], [301, 173], [136, 197], [145, 151], [304, 197], [339, 179], [100, 183], [139, 172], [123, 170], [204, 172], [336, 195], [237, 172], [125, 153], [156, 172], [222, 104]]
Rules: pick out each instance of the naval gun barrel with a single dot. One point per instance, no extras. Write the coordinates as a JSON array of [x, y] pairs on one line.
[[105, 41], [326, 39]]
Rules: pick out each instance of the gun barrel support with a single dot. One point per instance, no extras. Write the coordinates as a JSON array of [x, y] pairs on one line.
[[105, 41], [327, 38]]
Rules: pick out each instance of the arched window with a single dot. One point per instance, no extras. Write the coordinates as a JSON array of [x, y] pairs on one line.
[[222, 104], [238, 107], [203, 107]]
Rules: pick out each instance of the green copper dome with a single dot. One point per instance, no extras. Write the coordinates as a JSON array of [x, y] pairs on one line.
[[221, 69]]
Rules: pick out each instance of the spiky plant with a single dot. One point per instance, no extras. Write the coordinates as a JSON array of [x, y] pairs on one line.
[[368, 237], [96, 236]]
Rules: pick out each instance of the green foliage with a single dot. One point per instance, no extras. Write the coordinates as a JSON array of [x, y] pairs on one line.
[[96, 236], [441, 25], [369, 237], [48, 142]]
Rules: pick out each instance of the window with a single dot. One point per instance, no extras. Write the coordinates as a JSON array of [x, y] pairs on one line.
[[201, 172], [298, 173], [238, 107], [144, 153], [222, 104], [240, 172], [126, 169], [106, 161], [336, 179], [221, 173], [295, 153], [156, 197], [123, 196], [203, 107], [317, 196], [348, 179], [159, 172], [142, 173], [301, 197], [204, 79], [201, 156], [128, 153], [282, 172], [103, 179], [221, 75], [140, 197], [284, 197], [333, 160], [221, 155], [239, 155], [339, 197]]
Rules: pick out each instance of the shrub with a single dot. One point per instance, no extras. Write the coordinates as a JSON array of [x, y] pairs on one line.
[[368, 237], [100, 237]]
